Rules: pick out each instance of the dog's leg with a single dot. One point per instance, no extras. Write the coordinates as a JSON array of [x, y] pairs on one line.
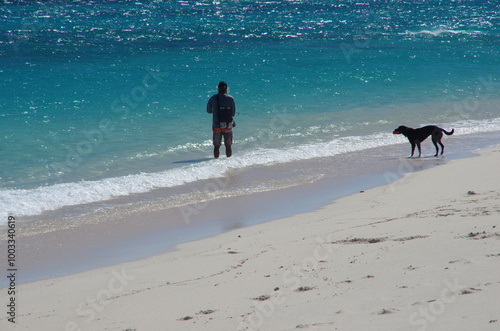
[[442, 146], [419, 149], [435, 145], [412, 148], [436, 139]]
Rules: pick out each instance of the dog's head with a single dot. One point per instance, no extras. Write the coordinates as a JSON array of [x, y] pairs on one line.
[[401, 129]]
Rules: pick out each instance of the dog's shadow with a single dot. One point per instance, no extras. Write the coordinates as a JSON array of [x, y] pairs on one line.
[[428, 157], [399, 158]]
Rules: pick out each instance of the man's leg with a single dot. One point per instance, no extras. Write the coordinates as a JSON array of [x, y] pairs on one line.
[[217, 140], [228, 142]]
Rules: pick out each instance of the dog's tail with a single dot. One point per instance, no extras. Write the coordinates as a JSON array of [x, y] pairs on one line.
[[448, 133]]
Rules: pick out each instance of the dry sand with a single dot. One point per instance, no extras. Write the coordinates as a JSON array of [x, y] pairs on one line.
[[422, 253]]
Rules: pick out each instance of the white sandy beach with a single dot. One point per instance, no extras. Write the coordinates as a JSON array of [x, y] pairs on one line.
[[422, 253]]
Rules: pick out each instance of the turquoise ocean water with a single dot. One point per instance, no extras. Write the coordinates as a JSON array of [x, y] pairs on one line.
[[102, 100]]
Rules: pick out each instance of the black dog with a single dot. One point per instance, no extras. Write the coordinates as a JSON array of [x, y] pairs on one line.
[[416, 136]]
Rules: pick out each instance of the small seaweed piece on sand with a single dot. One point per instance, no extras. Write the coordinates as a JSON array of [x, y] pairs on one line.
[[263, 297], [206, 312], [304, 289], [385, 311]]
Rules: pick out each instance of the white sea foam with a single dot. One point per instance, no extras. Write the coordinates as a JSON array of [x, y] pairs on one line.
[[437, 32], [35, 201]]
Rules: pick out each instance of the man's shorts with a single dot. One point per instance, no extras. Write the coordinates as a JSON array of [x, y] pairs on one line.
[[228, 137]]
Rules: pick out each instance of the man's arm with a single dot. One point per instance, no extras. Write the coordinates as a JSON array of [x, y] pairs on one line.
[[209, 105]]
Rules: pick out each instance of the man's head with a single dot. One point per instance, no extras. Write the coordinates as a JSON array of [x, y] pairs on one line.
[[222, 87]]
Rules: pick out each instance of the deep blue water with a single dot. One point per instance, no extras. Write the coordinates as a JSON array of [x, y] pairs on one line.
[[100, 99]]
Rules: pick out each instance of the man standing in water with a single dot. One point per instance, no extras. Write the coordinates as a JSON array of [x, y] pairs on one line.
[[223, 109]]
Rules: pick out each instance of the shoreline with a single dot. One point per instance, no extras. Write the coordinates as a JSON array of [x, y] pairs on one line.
[[57, 248], [419, 252]]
